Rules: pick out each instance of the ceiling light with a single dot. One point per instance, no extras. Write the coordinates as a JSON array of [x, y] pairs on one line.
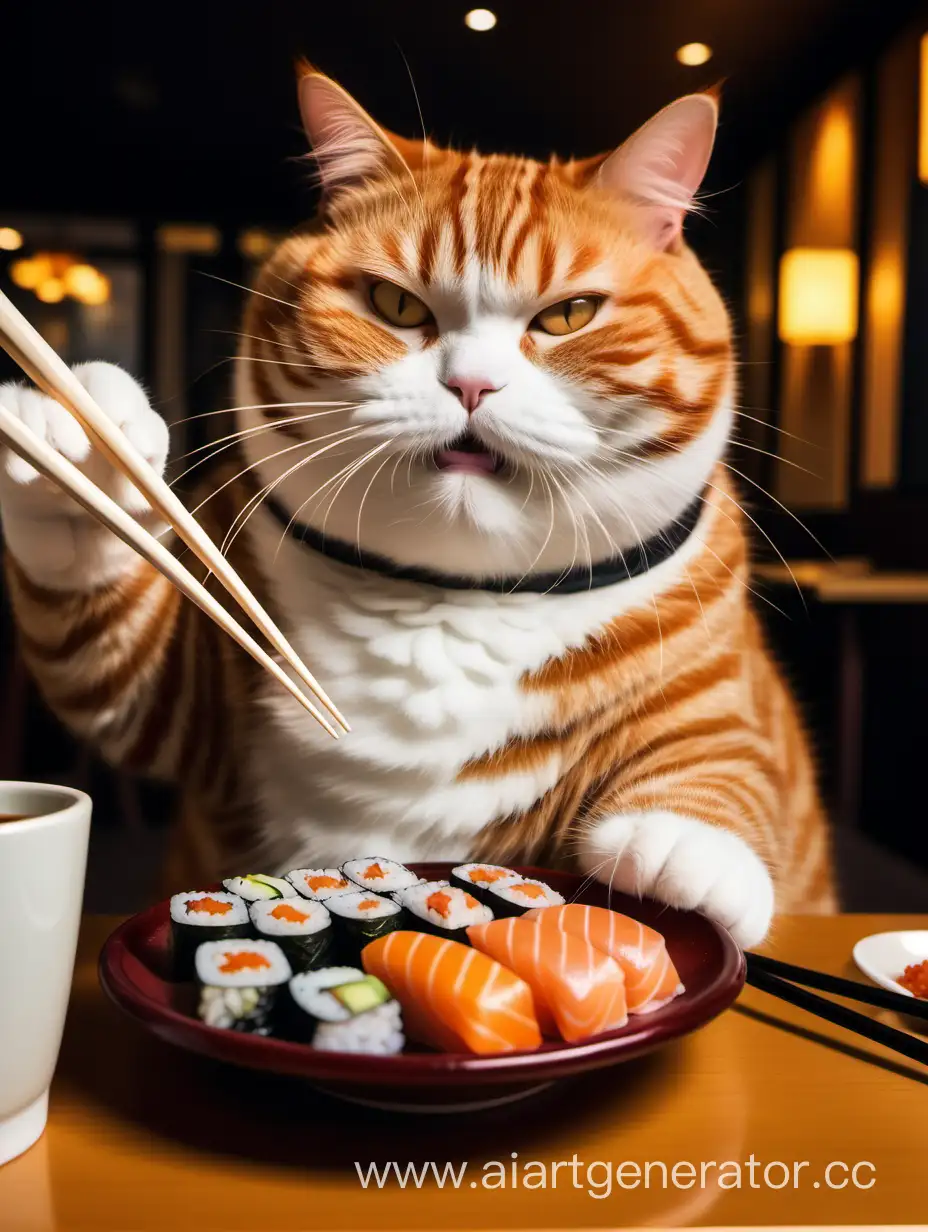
[[480, 19], [10, 239], [51, 291], [818, 296], [694, 54]]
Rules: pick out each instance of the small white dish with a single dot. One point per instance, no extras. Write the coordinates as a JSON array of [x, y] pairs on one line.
[[883, 957]]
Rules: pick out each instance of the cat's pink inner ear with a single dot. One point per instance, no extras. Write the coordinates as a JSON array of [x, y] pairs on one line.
[[662, 165], [348, 145]]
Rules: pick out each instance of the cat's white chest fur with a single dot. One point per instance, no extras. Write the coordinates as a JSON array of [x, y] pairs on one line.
[[429, 680]]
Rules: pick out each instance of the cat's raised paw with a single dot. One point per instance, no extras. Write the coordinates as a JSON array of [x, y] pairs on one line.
[[684, 863]]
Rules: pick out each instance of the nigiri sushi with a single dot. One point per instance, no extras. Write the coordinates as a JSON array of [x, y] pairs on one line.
[[651, 979], [453, 997], [579, 991]]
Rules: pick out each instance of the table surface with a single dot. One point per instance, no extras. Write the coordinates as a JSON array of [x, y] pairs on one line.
[[847, 581], [144, 1136]]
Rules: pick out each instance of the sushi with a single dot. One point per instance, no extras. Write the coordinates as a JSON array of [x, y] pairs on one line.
[[340, 1009], [360, 918], [651, 979], [302, 929], [380, 875], [578, 990], [202, 915], [443, 909], [454, 998], [240, 982], [517, 895], [255, 886], [320, 884], [478, 878]]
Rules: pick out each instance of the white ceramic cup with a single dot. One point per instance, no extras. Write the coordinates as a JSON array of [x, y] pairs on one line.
[[42, 864]]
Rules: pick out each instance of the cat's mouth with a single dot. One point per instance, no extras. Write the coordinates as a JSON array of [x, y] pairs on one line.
[[466, 455]]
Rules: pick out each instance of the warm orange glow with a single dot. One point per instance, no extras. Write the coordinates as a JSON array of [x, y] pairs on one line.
[[94, 293], [10, 239], [50, 291], [255, 243], [832, 169], [923, 112], [480, 19], [694, 54], [818, 296], [86, 284]]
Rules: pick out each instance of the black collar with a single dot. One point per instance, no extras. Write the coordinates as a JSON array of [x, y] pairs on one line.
[[633, 563]]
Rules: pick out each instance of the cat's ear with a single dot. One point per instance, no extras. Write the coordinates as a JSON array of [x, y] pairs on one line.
[[349, 146], [662, 165]]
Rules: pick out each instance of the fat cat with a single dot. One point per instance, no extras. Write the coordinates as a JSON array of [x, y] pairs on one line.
[[482, 407]]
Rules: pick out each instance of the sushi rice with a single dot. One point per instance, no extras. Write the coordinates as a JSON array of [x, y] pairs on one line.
[[380, 875], [320, 884], [341, 1009], [201, 915], [302, 929], [441, 908], [517, 895], [239, 984], [255, 886]]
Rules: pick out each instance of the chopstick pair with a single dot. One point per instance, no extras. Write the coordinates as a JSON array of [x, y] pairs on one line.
[[40, 362], [780, 979]]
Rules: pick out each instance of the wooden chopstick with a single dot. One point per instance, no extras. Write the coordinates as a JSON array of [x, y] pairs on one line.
[[40, 362], [916, 1007], [15, 434], [908, 1045]]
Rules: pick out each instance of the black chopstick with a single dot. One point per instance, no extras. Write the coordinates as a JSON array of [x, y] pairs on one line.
[[917, 1007], [908, 1045]]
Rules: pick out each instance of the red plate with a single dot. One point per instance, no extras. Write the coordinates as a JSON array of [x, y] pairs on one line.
[[134, 964]]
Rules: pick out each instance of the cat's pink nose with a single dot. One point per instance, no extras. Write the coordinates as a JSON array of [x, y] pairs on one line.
[[470, 390]]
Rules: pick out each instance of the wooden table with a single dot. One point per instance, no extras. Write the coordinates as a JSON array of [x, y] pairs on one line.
[[145, 1137]]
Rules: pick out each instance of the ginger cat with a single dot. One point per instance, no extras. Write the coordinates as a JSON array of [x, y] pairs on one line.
[[482, 408]]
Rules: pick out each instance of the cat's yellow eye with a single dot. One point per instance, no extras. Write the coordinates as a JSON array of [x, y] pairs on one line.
[[567, 316], [397, 306]]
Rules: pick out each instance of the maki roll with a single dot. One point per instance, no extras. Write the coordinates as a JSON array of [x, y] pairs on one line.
[[521, 894], [255, 886], [380, 875], [443, 910], [359, 918], [202, 915], [320, 884], [303, 930], [478, 878], [239, 984], [340, 1009]]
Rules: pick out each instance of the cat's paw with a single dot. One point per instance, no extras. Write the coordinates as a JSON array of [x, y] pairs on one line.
[[684, 863], [25, 493]]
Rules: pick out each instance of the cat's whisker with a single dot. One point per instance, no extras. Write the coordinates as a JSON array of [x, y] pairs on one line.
[[357, 466], [255, 406], [248, 290], [228, 442], [257, 501], [367, 491]]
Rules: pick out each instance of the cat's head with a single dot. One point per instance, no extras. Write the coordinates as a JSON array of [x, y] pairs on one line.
[[531, 365]]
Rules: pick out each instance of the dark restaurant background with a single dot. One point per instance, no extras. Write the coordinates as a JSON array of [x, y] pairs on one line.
[[162, 148]]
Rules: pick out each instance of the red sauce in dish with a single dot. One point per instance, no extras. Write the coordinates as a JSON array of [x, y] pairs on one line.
[[915, 979]]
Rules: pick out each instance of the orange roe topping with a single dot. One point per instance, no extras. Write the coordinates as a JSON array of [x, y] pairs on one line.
[[283, 911], [915, 979], [373, 872], [326, 883], [208, 906], [246, 960], [486, 875], [529, 890], [469, 900], [440, 902], [368, 904]]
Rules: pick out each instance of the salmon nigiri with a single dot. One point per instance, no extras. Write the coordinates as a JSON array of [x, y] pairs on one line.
[[454, 997], [578, 990], [651, 979]]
